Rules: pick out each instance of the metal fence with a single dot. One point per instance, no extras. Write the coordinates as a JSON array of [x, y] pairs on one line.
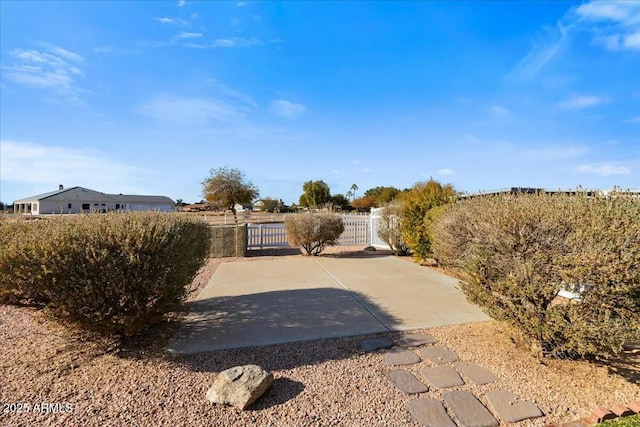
[[357, 231], [266, 236]]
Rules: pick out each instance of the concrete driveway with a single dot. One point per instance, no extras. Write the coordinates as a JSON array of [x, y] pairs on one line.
[[257, 303]]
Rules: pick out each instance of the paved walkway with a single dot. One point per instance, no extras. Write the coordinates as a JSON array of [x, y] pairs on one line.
[[249, 304], [441, 369]]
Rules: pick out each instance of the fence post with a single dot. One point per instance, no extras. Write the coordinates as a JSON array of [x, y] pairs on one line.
[[261, 236]]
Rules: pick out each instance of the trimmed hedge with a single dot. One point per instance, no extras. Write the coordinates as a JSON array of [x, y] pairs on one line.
[[518, 252], [112, 273], [313, 231]]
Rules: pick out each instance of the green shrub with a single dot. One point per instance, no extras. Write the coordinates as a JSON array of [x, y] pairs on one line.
[[416, 204], [518, 252], [390, 229], [632, 421], [113, 273], [313, 231]]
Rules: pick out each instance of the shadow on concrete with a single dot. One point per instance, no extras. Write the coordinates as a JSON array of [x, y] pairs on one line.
[[252, 253], [359, 254], [307, 317]]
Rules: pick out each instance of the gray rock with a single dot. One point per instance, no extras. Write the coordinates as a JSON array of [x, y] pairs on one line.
[[438, 354], [469, 410], [370, 249], [510, 407], [400, 356], [406, 382], [442, 376], [429, 412], [476, 373], [373, 344], [415, 340], [240, 386]]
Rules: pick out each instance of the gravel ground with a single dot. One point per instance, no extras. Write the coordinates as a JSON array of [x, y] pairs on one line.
[[317, 383]]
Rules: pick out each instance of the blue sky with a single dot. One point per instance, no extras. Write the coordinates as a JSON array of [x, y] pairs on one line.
[[146, 97]]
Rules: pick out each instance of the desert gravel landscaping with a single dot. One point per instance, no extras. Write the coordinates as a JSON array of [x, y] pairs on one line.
[[317, 383]]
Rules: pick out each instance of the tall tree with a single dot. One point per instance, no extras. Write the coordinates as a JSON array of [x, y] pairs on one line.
[[354, 188], [228, 186], [382, 196], [316, 193]]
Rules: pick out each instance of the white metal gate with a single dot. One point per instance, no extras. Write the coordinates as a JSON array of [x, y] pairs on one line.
[[374, 221], [358, 230], [266, 236]]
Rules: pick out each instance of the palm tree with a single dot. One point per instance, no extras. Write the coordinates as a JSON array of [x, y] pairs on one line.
[[349, 194], [354, 187]]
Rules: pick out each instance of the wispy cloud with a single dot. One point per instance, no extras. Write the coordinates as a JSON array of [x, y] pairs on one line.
[[576, 101], [182, 3], [499, 110], [635, 119], [185, 35], [445, 172], [241, 4], [233, 42], [615, 24], [240, 99], [172, 21], [49, 166], [50, 67], [287, 109], [188, 111], [543, 50], [604, 169]]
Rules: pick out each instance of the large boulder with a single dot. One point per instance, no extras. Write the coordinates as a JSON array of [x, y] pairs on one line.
[[240, 386]]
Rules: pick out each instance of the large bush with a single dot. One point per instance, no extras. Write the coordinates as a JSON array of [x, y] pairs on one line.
[[113, 273], [313, 231], [390, 228], [519, 252], [416, 205]]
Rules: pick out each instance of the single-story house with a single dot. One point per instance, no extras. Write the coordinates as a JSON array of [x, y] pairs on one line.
[[83, 200], [243, 207]]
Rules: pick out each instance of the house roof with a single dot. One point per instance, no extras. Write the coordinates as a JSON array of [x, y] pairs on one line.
[[44, 195], [97, 196]]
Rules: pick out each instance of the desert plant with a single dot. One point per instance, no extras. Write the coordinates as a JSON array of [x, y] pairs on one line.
[[390, 229], [416, 204], [313, 231], [113, 273], [518, 252]]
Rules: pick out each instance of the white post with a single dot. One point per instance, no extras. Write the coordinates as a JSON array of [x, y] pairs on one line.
[[261, 236]]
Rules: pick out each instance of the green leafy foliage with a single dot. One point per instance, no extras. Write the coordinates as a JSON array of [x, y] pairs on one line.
[[316, 194], [632, 421], [518, 252], [382, 196], [416, 204], [227, 186], [313, 231], [390, 229], [113, 273]]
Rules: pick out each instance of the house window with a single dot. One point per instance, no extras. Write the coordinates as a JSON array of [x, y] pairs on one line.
[[85, 206], [69, 206], [117, 206]]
